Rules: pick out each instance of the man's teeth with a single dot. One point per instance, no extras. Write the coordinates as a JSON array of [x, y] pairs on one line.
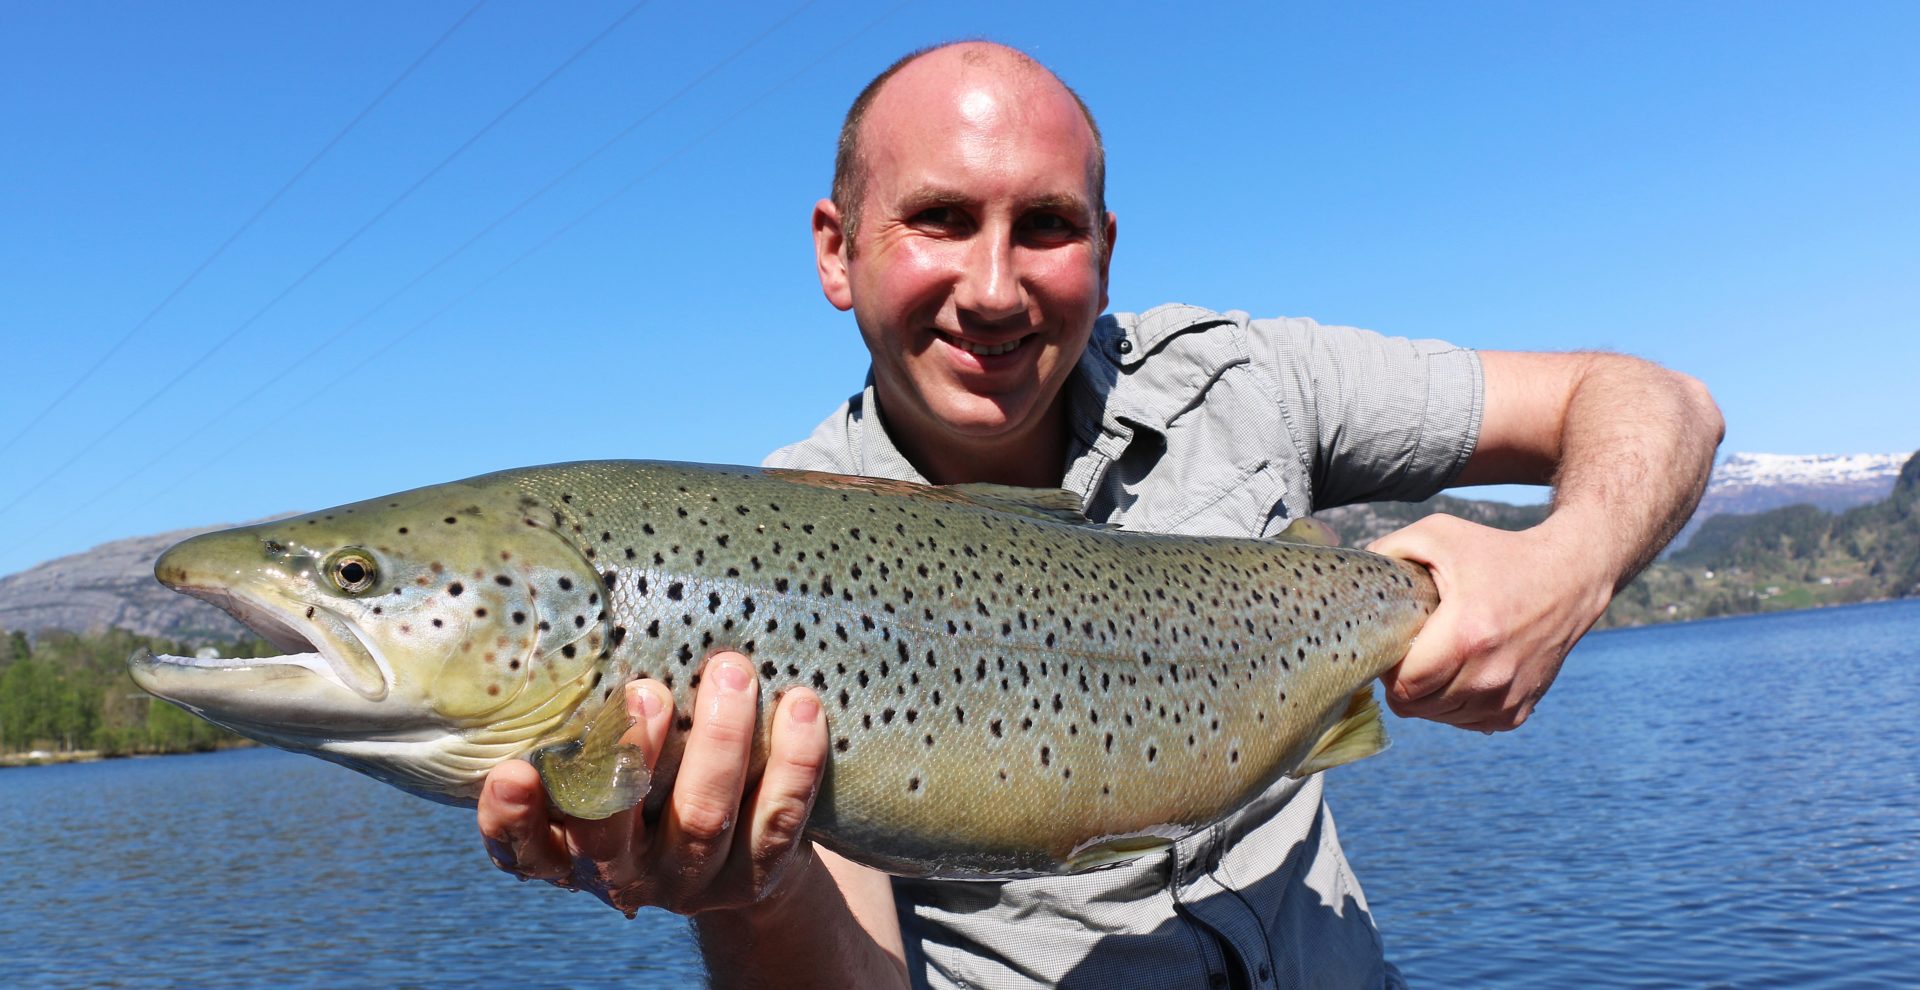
[[985, 350]]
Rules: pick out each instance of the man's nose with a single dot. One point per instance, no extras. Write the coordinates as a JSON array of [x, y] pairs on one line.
[[990, 287]]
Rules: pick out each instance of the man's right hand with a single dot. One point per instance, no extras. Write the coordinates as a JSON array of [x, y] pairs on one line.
[[721, 841]]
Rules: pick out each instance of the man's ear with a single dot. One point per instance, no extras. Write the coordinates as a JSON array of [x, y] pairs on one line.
[[1106, 257], [830, 254]]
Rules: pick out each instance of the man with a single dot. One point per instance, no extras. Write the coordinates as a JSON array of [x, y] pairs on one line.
[[968, 234]]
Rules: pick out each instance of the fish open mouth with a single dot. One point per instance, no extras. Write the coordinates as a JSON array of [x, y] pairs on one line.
[[326, 646]]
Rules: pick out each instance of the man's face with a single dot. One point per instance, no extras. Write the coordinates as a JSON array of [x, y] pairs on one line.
[[978, 269]]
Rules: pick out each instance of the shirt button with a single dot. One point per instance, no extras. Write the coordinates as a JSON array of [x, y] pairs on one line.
[[1217, 980], [1265, 973], [1125, 346]]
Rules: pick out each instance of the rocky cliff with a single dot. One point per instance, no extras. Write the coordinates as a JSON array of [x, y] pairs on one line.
[[110, 586]]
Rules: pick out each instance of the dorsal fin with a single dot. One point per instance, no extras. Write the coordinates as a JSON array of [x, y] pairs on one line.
[[1052, 504], [1309, 531]]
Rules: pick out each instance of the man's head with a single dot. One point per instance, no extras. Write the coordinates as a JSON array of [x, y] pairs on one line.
[[850, 169], [969, 235]]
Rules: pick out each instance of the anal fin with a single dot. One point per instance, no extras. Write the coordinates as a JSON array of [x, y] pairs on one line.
[[596, 776], [1358, 734]]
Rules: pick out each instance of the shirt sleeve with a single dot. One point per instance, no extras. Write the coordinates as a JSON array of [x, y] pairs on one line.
[[1377, 418]]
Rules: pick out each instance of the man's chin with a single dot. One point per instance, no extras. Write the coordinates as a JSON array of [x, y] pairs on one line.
[[982, 419]]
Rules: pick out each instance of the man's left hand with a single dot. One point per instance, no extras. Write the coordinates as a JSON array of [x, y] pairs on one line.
[[1511, 606]]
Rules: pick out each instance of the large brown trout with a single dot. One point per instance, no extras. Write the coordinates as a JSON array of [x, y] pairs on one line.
[[1010, 690]]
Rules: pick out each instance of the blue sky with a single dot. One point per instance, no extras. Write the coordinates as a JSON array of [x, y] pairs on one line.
[[1726, 188]]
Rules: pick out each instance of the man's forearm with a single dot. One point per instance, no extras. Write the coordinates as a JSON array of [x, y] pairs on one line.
[[1628, 447], [812, 937], [1636, 447]]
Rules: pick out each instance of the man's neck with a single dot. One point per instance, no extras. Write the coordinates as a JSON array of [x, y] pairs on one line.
[[1035, 459]]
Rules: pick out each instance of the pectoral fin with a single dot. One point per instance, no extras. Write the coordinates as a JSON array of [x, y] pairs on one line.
[[1119, 849], [596, 776], [1360, 733]]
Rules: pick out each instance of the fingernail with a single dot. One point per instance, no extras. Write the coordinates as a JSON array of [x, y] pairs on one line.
[[515, 797], [501, 854], [805, 710], [732, 676], [641, 703]]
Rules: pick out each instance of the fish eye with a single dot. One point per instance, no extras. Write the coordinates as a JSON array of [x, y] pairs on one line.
[[352, 571]]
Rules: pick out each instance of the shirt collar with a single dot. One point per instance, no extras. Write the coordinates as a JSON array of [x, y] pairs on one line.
[[1099, 422]]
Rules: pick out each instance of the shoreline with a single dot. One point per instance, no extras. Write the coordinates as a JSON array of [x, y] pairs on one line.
[[43, 758]]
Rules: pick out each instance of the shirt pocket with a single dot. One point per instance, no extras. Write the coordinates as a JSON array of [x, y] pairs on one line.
[[1245, 501]]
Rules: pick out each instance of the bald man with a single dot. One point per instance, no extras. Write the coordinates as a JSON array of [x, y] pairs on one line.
[[968, 233]]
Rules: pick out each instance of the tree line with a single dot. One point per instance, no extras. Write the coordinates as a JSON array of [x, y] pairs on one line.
[[64, 692]]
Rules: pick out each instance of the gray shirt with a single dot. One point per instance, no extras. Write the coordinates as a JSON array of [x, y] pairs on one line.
[[1190, 421]]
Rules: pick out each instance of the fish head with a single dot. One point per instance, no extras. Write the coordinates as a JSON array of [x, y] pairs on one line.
[[427, 636]]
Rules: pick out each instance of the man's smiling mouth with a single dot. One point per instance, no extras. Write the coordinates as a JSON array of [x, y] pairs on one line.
[[983, 350]]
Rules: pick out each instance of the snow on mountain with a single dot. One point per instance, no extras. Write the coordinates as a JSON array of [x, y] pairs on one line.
[[1759, 482], [1753, 470]]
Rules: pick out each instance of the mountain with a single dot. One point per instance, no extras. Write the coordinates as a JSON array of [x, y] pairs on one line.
[[1750, 483], [1359, 525], [112, 586]]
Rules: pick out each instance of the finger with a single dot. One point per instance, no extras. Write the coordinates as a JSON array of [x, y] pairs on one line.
[[1432, 663], [603, 850], [513, 819], [776, 813], [1504, 718], [698, 825]]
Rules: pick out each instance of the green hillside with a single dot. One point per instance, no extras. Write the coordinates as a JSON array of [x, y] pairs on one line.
[[1793, 557], [64, 693]]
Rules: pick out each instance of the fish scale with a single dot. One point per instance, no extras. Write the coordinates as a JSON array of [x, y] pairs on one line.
[[1009, 689]]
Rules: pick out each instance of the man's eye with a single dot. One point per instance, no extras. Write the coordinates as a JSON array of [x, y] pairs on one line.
[[1050, 225], [938, 216]]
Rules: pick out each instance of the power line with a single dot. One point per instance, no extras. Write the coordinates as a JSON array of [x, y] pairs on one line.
[[395, 340], [360, 320], [245, 225], [393, 204]]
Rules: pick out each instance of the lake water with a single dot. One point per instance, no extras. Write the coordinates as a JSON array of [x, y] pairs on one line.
[[1732, 803]]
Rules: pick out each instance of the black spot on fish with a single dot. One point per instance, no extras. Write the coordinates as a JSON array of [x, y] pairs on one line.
[[675, 590]]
